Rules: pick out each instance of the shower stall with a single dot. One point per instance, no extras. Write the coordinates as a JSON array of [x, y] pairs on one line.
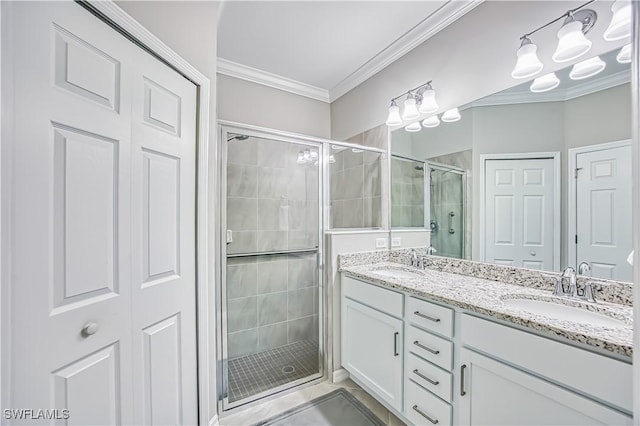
[[447, 207], [271, 292]]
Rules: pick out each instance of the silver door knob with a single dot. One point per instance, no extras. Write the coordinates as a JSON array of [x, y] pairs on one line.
[[532, 253], [89, 329]]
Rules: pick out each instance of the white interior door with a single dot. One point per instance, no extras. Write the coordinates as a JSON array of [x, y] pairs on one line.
[[102, 195], [603, 212], [519, 213]]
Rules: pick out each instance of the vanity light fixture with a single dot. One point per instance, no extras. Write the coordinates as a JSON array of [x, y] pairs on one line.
[[451, 115], [620, 25], [588, 68], [624, 56], [413, 127], [394, 119], [527, 64], [545, 83], [410, 108], [431, 122], [419, 100]]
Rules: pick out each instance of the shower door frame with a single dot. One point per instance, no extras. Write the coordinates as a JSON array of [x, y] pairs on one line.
[[225, 128], [463, 174]]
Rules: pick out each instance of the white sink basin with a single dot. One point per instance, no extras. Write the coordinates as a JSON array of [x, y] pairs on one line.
[[558, 310], [396, 273]]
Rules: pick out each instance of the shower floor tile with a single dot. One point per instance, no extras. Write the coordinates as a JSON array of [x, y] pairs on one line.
[[252, 374]]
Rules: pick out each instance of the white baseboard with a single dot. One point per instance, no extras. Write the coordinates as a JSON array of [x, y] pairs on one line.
[[340, 375], [213, 421]]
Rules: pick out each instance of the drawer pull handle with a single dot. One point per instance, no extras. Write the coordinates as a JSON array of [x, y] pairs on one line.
[[462, 391], [395, 343], [433, 351], [423, 414], [420, 314], [419, 374]]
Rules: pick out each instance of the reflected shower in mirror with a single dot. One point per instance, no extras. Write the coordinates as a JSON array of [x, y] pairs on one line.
[[534, 178]]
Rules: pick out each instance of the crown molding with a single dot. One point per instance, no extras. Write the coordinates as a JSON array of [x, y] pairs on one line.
[[526, 97], [244, 72], [444, 16]]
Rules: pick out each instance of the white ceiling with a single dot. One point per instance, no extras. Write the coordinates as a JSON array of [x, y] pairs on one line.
[[325, 43]]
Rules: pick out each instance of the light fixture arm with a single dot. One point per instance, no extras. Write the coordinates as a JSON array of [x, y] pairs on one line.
[[417, 91], [567, 15]]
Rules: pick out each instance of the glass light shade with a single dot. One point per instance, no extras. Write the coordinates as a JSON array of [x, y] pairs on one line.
[[394, 119], [300, 159], [306, 155], [451, 115], [528, 63], [314, 155], [332, 159], [429, 103], [572, 42], [431, 122], [410, 109], [620, 25], [545, 83], [624, 56], [413, 127], [588, 68]]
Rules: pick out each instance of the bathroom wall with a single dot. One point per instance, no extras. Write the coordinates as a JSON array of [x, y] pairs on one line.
[[245, 102], [272, 205], [470, 59], [407, 194], [355, 193]]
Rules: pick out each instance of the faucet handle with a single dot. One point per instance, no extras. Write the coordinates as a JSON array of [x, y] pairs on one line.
[[558, 290], [587, 293]]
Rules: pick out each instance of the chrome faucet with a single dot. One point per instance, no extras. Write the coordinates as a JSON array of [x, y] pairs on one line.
[[570, 273], [431, 250], [584, 268], [572, 291], [414, 258]]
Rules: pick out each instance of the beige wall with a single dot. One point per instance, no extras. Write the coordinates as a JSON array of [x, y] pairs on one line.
[[190, 29], [250, 103], [468, 60]]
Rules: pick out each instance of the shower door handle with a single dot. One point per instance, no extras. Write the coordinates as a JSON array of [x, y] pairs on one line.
[[451, 230]]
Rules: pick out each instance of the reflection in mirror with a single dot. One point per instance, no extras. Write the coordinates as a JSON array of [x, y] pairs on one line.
[[545, 175]]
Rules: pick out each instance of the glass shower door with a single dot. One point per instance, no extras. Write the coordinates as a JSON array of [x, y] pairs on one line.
[[271, 297], [447, 210]]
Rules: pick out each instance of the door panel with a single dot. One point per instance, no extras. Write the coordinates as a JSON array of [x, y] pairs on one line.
[[519, 213], [603, 206]]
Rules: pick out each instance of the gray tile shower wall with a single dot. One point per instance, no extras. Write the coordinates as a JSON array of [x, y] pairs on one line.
[[407, 193], [271, 301]]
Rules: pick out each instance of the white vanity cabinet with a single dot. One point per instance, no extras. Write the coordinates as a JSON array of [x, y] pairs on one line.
[[372, 339]]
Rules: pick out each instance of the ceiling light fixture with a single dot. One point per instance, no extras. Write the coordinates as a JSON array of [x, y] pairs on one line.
[[451, 115], [624, 56], [620, 25], [588, 68], [545, 83], [527, 64], [431, 122], [419, 100], [413, 127]]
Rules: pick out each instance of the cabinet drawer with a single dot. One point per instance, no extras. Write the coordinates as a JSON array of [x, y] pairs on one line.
[[379, 298], [430, 347], [423, 408], [429, 376], [430, 316]]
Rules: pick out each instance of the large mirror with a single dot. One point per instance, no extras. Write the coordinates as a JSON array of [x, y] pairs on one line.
[[532, 179]]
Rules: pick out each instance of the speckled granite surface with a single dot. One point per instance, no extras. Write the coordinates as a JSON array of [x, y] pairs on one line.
[[491, 297]]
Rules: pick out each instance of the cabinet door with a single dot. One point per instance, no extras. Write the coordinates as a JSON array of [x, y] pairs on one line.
[[497, 394], [372, 350]]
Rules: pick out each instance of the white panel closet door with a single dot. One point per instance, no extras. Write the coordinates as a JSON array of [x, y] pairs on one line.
[[92, 305], [603, 203], [519, 212]]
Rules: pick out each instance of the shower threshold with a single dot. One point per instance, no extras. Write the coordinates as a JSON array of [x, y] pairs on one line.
[[253, 374]]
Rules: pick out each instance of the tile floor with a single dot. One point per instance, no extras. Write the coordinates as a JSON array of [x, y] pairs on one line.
[[252, 374], [259, 412]]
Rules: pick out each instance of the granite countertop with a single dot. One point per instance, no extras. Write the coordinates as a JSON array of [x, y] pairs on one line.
[[488, 297]]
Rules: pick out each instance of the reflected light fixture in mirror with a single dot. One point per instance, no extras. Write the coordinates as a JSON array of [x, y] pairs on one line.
[[624, 56], [394, 119], [572, 42], [545, 83], [413, 127], [527, 64], [410, 108], [451, 115], [620, 25], [431, 122], [588, 68]]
